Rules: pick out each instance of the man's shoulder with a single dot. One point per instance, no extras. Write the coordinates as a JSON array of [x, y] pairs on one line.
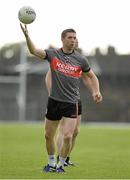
[[80, 55], [53, 50]]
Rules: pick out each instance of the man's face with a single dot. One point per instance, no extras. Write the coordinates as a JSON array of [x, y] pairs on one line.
[[69, 40]]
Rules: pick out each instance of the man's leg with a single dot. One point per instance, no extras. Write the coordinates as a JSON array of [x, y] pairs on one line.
[[69, 125], [59, 139], [50, 130], [76, 131]]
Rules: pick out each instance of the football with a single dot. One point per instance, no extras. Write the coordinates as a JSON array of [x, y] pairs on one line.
[[26, 14]]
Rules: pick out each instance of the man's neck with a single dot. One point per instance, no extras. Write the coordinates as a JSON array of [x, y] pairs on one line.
[[67, 51]]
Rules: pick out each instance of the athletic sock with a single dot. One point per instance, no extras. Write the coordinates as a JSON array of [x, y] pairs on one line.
[[61, 162], [57, 159], [67, 159], [51, 160]]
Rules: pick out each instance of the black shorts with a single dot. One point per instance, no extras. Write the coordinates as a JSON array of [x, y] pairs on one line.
[[57, 109]]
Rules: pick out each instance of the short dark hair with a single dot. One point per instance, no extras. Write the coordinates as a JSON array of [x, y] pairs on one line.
[[63, 34]]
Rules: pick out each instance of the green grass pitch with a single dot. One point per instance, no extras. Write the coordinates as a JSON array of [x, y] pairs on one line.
[[100, 153]]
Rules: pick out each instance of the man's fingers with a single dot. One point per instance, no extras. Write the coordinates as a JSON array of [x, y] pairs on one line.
[[98, 98], [21, 25]]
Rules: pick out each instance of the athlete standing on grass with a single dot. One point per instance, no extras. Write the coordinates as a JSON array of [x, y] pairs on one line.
[[67, 66], [59, 136]]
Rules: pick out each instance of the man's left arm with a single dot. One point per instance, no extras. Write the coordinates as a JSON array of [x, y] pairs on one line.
[[92, 83]]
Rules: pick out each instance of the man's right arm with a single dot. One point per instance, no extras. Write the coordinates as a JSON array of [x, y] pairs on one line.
[[33, 50]]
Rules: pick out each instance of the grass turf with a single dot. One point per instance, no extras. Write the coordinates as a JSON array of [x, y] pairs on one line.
[[100, 153]]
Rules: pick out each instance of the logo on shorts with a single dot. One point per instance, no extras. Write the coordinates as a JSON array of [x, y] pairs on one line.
[[73, 116]]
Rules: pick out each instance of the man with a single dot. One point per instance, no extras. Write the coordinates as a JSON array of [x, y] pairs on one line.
[[67, 66], [59, 136]]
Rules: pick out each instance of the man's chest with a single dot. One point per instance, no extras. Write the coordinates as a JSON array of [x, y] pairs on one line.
[[66, 65]]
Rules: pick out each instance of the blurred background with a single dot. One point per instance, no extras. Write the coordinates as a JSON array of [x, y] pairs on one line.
[[23, 94], [103, 32]]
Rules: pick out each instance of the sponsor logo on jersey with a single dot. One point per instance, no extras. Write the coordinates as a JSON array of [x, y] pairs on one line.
[[66, 68]]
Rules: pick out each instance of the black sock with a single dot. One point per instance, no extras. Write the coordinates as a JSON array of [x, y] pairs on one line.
[[57, 158], [67, 159]]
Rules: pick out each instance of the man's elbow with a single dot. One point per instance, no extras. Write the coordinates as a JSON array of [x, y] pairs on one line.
[[33, 52]]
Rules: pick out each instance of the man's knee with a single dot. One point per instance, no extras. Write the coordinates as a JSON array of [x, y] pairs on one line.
[[76, 132], [48, 135], [68, 137]]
